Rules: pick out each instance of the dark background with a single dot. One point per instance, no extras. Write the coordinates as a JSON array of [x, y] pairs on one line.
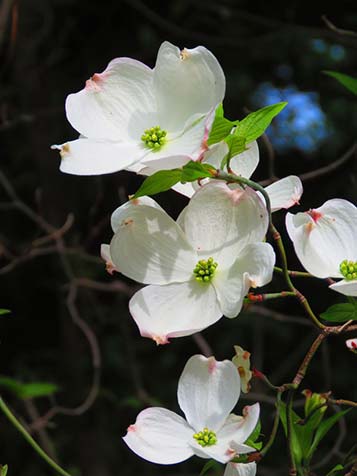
[[63, 303]]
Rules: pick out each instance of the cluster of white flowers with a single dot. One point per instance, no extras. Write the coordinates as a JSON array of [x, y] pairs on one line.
[[200, 267]]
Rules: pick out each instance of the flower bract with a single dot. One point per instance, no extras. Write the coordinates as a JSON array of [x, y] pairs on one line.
[[131, 115], [208, 391], [198, 268], [325, 242], [242, 361]]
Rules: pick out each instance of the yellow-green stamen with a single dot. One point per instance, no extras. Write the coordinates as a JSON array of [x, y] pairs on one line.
[[348, 269], [205, 270], [205, 437], [154, 138]]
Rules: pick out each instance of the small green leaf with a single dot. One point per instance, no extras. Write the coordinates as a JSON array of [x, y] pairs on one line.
[[160, 181], [324, 428], [28, 390], [2, 312], [255, 124], [341, 312], [236, 144], [347, 81], [221, 127], [211, 464], [253, 437], [3, 470], [196, 170], [163, 180], [335, 470], [38, 389], [297, 433]]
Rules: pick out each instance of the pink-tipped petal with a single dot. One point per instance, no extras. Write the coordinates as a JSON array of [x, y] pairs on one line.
[[160, 436], [174, 310], [207, 392]]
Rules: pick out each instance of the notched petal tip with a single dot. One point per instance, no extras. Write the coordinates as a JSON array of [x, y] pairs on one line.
[[185, 54], [160, 340], [64, 149], [94, 83]]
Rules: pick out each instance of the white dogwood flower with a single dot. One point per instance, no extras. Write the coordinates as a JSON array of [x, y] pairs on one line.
[[207, 392], [325, 242], [240, 469], [283, 193], [131, 115], [197, 268]]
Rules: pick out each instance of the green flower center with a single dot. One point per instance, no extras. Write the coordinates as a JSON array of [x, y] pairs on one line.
[[348, 269], [154, 138], [205, 270], [205, 437]]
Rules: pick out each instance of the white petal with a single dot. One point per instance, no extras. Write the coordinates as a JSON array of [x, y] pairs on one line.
[[284, 193], [95, 157], [231, 286], [238, 429], [241, 469], [187, 189], [160, 436], [348, 288], [216, 154], [245, 163], [324, 237], [121, 212], [117, 104], [186, 83], [174, 310], [105, 255], [258, 260], [220, 222], [208, 391], [150, 247]]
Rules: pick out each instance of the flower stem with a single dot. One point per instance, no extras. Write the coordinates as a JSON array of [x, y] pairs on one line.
[[11, 417], [251, 297], [289, 426], [294, 274], [273, 433], [302, 299]]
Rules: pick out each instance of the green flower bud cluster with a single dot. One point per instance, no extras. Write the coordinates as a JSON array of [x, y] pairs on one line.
[[205, 270], [154, 138], [348, 269], [205, 437]]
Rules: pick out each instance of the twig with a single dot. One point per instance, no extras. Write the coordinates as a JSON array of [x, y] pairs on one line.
[[334, 28]]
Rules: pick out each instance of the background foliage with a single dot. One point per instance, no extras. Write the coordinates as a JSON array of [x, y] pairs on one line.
[[61, 298]]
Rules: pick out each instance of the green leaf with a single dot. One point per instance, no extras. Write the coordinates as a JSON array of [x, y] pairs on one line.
[[255, 124], [221, 127], [347, 81], [159, 182], [28, 390], [236, 144], [335, 470], [324, 428], [211, 464], [196, 170], [341, 312], [38, 389], [163, 180], [253, 437], [297, 433], [2, 312], [3, 470]]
